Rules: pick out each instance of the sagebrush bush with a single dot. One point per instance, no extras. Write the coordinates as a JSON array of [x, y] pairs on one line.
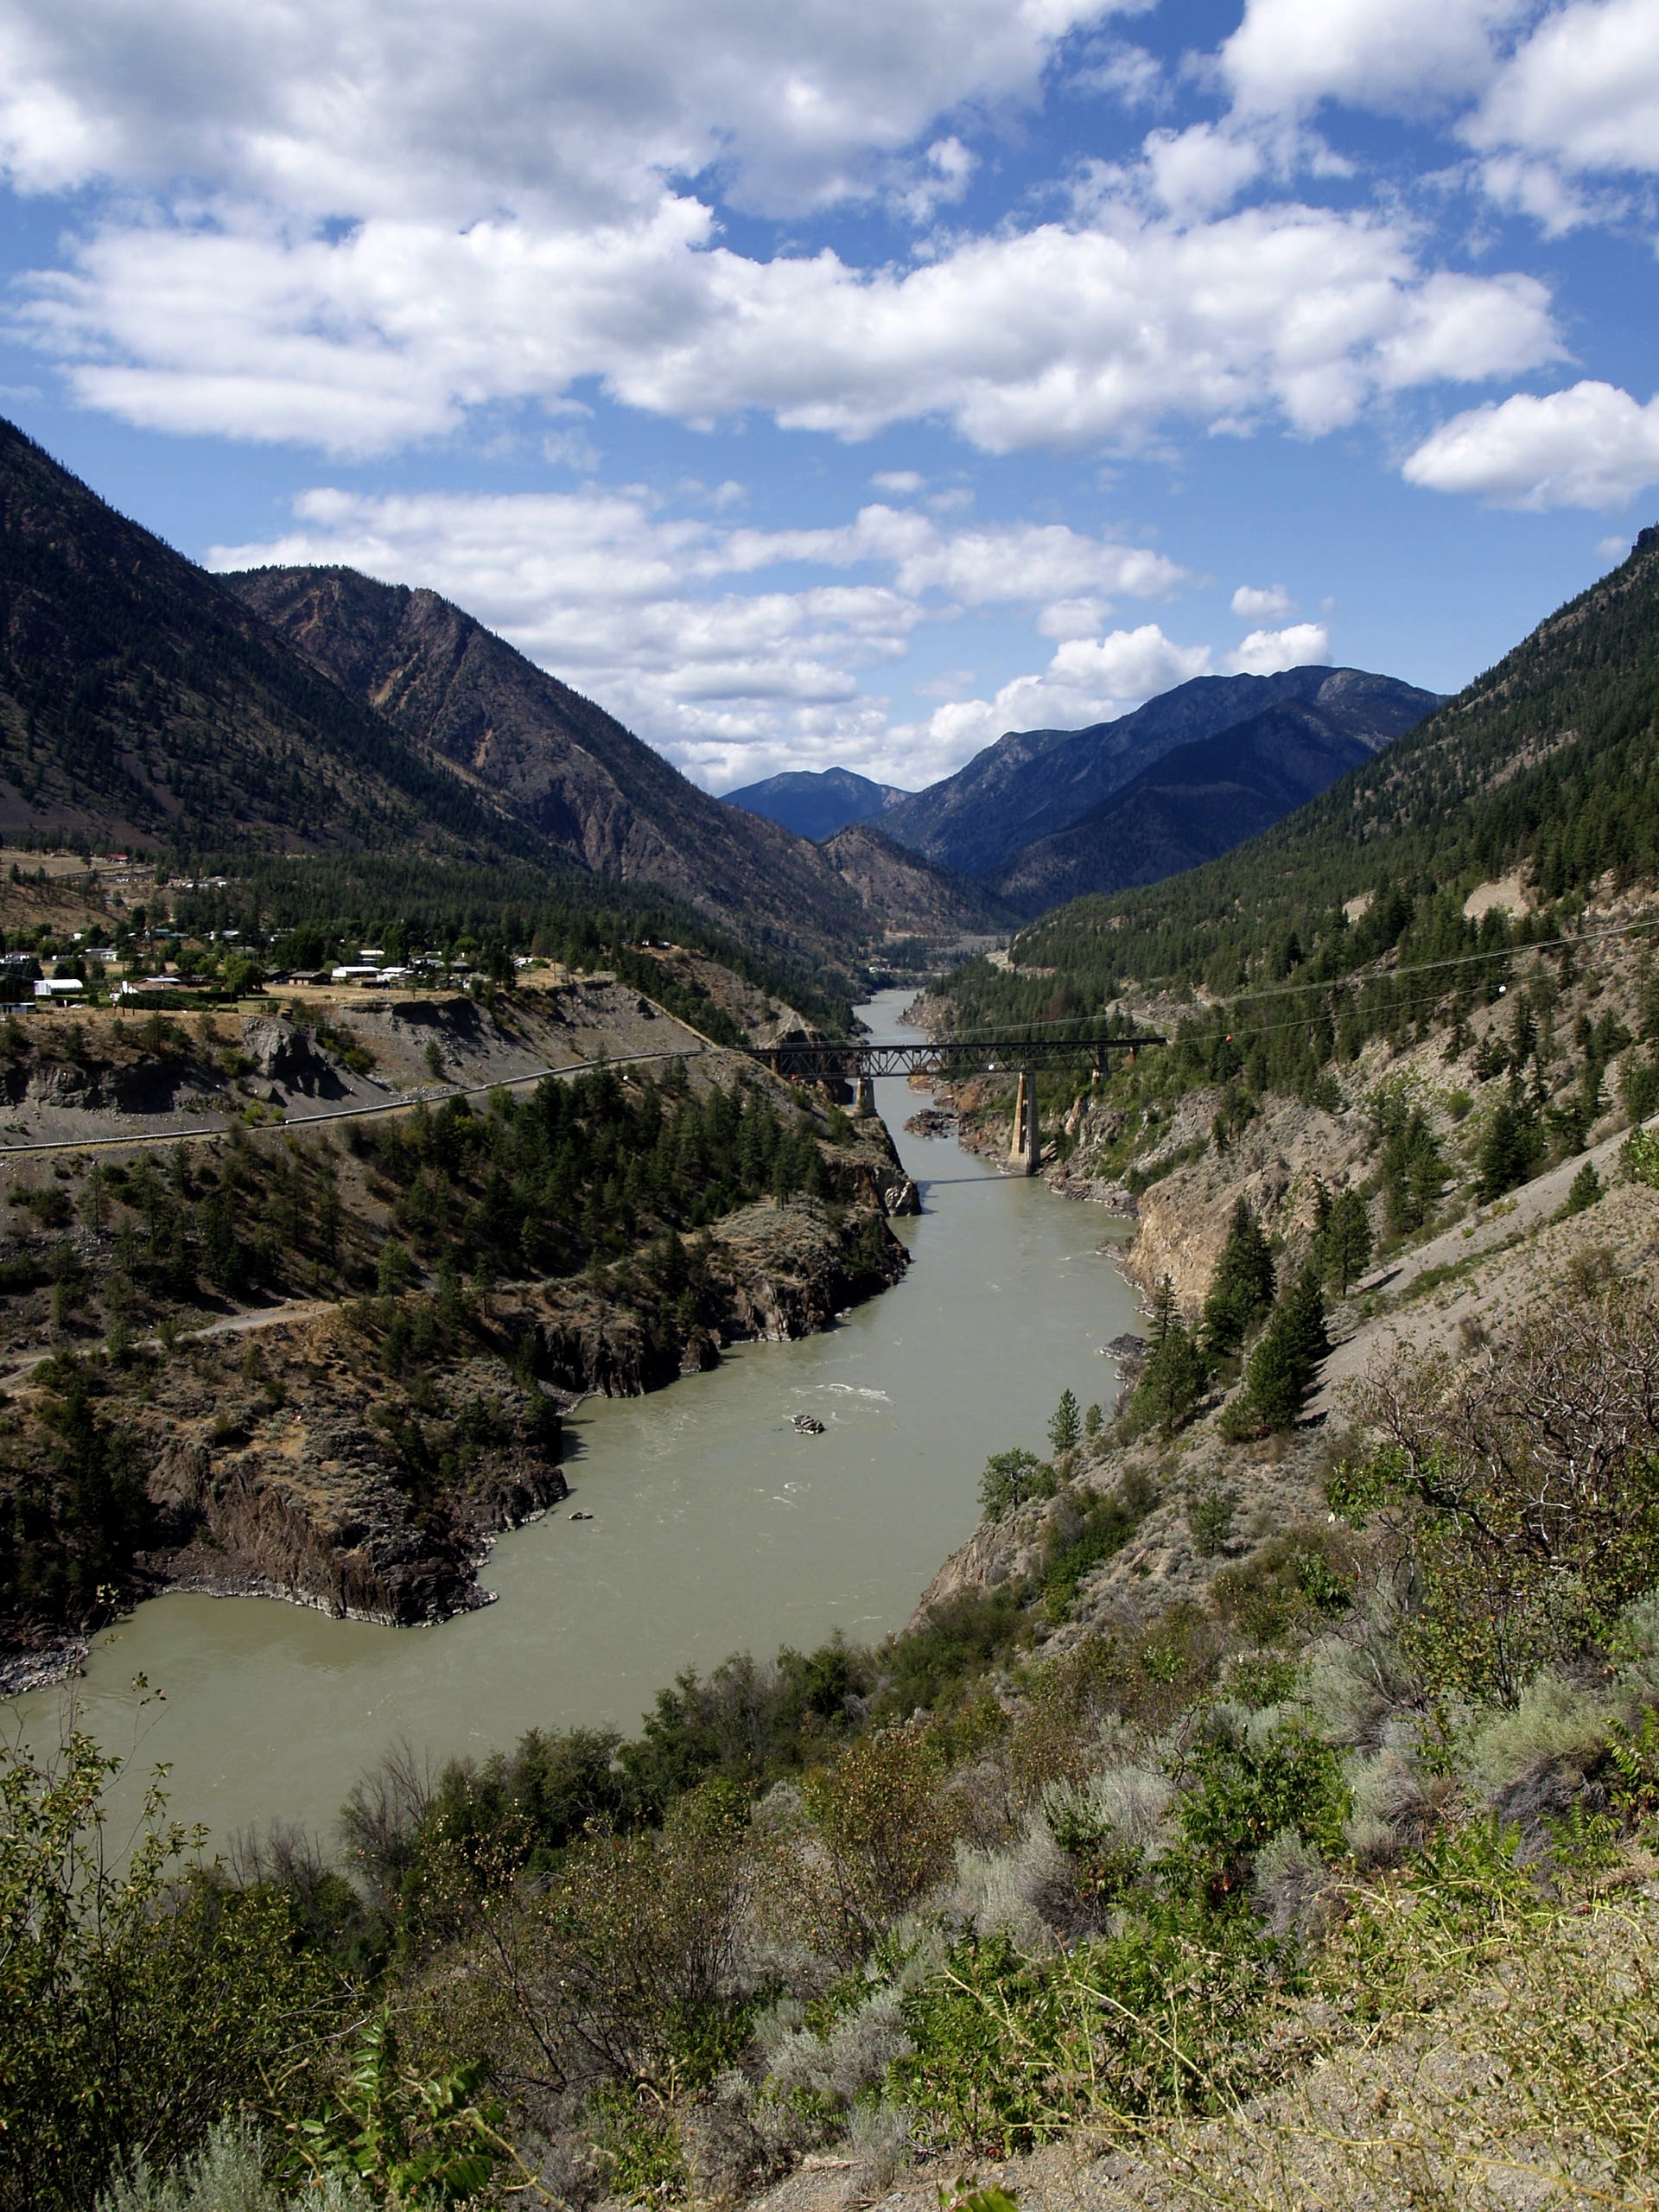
[[852, 2056], [226, 2175], [1396, 1801], [1023, 1892], [1553, 1721], [1294, 1890]]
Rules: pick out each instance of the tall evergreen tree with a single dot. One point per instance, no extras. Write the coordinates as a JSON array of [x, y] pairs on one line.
[[1241, 1290], [1172, 1380], [1343, 1245], [1509, 1151], [1413, 1172], [1281, 1368], [1066, 1425]]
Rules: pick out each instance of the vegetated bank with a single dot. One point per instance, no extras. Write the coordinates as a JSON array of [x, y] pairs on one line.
[[1426, 986], [327, 1362], [1251, 1784]]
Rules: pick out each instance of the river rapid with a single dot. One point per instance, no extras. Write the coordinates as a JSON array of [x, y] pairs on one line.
[[717, 1526]]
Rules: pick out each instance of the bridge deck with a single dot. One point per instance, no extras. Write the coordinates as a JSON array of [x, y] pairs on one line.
[[853, 1057]]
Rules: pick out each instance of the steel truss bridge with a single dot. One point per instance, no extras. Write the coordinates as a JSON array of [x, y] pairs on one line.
[[948, 1058], [853, 1060]]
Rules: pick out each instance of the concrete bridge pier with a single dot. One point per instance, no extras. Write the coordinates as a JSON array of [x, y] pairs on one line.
[[1026, 1145], [863, 1099]]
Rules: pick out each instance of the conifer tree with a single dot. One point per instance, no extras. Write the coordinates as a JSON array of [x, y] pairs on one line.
[[1413, 1172], [1509, 1151], [1344, 1246], [1241, 1290], [1172, 1380], [1066, 1425], [1281, 1368]]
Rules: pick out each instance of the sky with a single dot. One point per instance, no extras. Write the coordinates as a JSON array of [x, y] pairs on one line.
[[839, 384]]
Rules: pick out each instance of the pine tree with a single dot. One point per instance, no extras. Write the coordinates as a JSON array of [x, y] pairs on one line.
[[1281, 1368], [1414, 1171], [1172, 1380], [1509, 1151], [1345, 1244], [1008, 1480], [1066, 1425], [1241, 1290]]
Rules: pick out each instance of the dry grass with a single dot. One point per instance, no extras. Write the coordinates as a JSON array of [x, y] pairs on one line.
[[1521, 2073]]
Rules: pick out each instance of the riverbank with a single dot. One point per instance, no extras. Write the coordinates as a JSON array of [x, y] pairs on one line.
[[293, 1367], [717, 1526]]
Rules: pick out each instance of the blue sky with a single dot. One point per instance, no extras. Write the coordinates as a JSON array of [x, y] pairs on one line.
[[834, 384]]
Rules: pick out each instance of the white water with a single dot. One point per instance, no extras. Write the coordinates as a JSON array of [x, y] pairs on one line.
[[717, 1526]]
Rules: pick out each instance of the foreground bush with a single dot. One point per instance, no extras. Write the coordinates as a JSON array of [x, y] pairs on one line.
[[137, 2006]]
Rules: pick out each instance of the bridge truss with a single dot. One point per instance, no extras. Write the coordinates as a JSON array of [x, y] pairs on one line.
[[853, 1060]]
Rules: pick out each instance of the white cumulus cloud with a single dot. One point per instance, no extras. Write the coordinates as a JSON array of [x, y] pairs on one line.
[[1087, 680], [1057, 336], [1262, 604], [1391, 54], [1582, 91], [346, 225], [691, 630], [1264, 652], [352, 107], [1199, 169], [1589, 446]]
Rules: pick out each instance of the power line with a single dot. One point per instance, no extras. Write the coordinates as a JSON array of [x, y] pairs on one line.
[[1376, 974]]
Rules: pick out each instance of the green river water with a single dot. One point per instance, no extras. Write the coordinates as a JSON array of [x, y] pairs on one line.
[[717, 1526]]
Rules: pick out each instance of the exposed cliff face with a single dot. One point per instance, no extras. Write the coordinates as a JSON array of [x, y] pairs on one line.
[[1181, 1216], [775, 1273], [310, 1459], [599, 796], [908, 894], [1275, 1165], [283, 1467]]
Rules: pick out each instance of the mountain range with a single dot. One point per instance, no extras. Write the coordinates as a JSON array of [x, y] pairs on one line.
[[314, 710], [310, 710], [1046, 815], [1542, 776], [1204, 798]]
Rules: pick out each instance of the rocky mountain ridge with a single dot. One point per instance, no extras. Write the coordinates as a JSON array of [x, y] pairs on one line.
[[317, 713], [1032, 784], [603, 801], [140, 699], [1198, 800]]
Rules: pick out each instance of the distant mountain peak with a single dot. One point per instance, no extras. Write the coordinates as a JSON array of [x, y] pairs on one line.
[[1032, 785], [817, 802]]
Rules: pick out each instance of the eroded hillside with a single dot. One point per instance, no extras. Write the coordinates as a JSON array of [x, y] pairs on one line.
[[291, 1302]]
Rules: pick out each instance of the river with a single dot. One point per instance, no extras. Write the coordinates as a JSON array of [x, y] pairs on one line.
[[717, 1526]]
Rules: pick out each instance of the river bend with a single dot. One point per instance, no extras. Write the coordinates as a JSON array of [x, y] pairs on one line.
[[715, 1525]]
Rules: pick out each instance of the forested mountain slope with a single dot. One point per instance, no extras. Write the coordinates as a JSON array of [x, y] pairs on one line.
[[1033, 784], [1196, 802], [139, 698], [1548, 765], [600, 797]]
